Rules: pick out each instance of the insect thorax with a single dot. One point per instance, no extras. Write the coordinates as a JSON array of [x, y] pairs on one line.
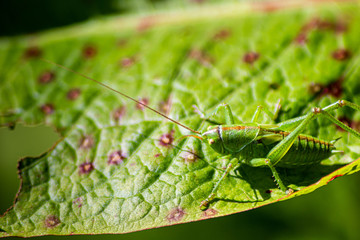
[[231, 138]]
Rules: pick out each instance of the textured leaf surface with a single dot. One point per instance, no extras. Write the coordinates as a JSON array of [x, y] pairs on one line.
[[113, 171]]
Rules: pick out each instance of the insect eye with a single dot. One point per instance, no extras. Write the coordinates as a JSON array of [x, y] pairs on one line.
[[211, 141]]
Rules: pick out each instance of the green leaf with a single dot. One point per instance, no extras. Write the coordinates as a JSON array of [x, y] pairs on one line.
[[114, 171]]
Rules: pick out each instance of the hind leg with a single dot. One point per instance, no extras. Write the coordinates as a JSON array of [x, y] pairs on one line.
[[276, 153], [204, 204]]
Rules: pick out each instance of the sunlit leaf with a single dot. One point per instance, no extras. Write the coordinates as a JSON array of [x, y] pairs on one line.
[[119, 167]]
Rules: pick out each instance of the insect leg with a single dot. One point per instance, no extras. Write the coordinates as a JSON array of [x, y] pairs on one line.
[[221, 115], [277, 152], [291, 124], [229, 118], [271, 115], [341, 103], [204, 204], [257, 162]]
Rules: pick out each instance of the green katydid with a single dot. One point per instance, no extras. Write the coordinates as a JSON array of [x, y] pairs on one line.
[[260, 145]]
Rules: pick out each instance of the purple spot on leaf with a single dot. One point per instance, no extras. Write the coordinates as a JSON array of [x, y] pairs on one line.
[[167, 139], [46, 77], [222, 35], [210, 213], [251, 57], [127, 62], [116, 158], [86, 142], [341, 54], [32, 52], [175, 215], [89, 51], [52, 221], [144, 101], [301, 39], [86, 168], [118, 113], [200, 56], [340, 27], [78, 202], [146, 23], [317, 24], [73, 94], [334, 89], [47, 108], [164, 106]]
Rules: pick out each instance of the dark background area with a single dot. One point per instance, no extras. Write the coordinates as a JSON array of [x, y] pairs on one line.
[[22, 16]]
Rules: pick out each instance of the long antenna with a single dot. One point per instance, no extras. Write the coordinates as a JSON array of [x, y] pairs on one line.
[[123, 94]]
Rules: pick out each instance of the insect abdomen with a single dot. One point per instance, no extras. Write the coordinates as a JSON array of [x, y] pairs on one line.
[[306, 150]]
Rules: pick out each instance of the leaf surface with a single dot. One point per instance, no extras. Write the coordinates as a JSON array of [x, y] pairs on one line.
[[114, 170]]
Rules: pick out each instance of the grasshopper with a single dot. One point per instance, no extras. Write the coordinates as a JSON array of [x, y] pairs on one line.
[[259, 145]]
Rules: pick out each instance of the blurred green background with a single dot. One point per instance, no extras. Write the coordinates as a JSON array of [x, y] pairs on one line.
[[332, 212]]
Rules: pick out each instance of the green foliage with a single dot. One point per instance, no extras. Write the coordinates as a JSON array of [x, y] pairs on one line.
[[113, 171]]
